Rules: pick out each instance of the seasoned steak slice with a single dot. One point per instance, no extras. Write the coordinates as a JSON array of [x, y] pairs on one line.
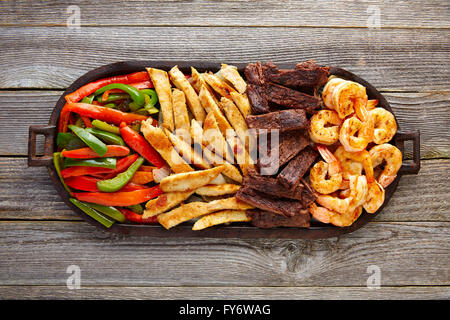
[[272, 187], [285, 207], [257, 98], [266, 219], [253, 74], [291, 174], [290, 98], [290, 143], [305, 74], [283, 120]]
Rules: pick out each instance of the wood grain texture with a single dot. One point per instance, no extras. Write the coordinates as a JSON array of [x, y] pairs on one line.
[[394, 59], [422, 197], [226, 293], [425, 14], [424, 111], [408, 254]]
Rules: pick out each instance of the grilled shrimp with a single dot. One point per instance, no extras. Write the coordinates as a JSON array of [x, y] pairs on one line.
[[392, 156], [324, 127], [356, 198], [328, 216], [375, 197], [371, 104], [352, 163], [355, 135], [320, 171], [344, 96], [384, 124]]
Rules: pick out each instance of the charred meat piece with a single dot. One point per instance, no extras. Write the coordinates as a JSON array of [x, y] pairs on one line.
[[272, 187], [291, 174], [290, 98], [285, 207], [305, 74], [254, 74], [265, 219], [257, 98], [283, 120], [307, 198], [275, 155]]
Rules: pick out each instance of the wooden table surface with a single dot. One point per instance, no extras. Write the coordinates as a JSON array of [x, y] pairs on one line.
[[401, 47]]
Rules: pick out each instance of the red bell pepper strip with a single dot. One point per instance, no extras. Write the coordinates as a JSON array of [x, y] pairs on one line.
[[88, 153], [87, 183], [94, 86], [147, 168], [64, 117], [84, 183], [142, 85], [141, 146], [133, 187], [122, 165], [83, 171], [142, 177], [87, 122], [135, 217], [105, 114], [120, 198]]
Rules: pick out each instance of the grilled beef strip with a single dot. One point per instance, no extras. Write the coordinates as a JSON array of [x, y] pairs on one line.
[[272, 186], [254, 74], [257, 98], [283, 120], [266, 219], [285, 207], [305, 74], [290, 143], [290, 98], [291, 174]]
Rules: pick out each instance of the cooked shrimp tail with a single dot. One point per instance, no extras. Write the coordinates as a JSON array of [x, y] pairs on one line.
[[326, 177], [392, 157]]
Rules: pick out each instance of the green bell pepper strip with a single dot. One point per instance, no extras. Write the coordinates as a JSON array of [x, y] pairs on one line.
[[136, 208], [88, 99], [141, 111], [111, 212], [106, 126], [57, 162], [92, 141], [69, 141], [109, 163], [150, 105], [119, 181], [107, 137], [114, 97], [152, 94], [106, 221], [110, 105], [135, 94]]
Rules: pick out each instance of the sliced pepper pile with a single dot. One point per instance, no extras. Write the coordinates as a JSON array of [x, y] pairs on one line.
[[102, 160]]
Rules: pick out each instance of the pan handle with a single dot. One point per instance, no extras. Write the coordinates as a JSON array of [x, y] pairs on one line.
[[49, 133], [400, 138]]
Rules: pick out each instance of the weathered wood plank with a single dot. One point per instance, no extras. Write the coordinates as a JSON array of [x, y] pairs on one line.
[[227, 293], [394, 59], [424, 197], [225, 13], [408, 254], [424, 111]]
